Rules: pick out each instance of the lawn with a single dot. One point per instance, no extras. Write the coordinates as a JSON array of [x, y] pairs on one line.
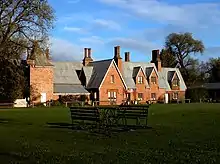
[[184, 133]]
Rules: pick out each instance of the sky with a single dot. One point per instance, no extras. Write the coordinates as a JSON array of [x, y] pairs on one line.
[[137, 26]]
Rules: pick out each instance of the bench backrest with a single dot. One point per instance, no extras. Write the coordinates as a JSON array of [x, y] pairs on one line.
[[133, 112], [84, 113]]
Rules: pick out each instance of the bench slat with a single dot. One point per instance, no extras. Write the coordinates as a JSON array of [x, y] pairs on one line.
[[84, 114], [84, 111], [85, 118]]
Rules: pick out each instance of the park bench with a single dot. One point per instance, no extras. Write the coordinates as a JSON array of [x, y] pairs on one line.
[[89, 114], [110, 116], [136, 112], [7, 105]]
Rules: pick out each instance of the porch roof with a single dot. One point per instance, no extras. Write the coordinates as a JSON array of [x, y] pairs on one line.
[[69, 89]]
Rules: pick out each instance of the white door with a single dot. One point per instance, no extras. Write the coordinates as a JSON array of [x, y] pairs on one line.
[[166, 96], [43, 97]]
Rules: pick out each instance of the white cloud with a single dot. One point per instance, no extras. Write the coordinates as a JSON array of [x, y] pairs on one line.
[[142, 46], [91, 22], [92, 40], [75, 29], [107, 24], [63, 50], [186, 14]]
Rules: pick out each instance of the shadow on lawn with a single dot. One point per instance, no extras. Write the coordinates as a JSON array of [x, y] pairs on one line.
[[91, 128], [60, 125], [5, 121]]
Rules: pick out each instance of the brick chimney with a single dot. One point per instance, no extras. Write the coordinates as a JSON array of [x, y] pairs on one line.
[[127, 56], [87, 56], [156, 59], [117, 58]]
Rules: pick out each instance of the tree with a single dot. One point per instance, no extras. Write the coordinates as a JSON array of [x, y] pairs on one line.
[[182, 45], [214, 69], [167, 58], [12, 80], [21, 22]]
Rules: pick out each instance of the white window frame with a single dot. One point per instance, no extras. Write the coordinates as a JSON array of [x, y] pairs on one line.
[[175, 85], [140, 98], [155, 82], [140, 80], [153, 98], [112, 95]]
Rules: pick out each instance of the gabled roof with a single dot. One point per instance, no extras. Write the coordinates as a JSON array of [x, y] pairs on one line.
[[71, 89], [163, 79], [99, 70], [128, 68], [208, 86], [65, 72], [38, 56]]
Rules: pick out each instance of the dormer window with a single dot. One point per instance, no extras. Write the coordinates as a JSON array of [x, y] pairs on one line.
[[153, 80], [112, 79], [140, 79], [175, 82]]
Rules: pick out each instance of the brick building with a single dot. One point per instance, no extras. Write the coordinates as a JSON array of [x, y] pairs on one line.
[[118, 80], [108, 80]]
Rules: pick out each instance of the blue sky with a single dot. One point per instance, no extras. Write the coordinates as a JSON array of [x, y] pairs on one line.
[[137, 26]]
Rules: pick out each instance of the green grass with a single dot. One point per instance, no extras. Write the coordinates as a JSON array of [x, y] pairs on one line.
[[184, 133]]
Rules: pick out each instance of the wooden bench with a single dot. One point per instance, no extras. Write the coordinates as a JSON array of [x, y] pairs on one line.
[[136, 112], [7, 105], [109, 116], [79, 113]]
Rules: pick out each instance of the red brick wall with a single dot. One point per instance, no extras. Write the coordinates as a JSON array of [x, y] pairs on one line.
[[141, 88], [181, 94], [41, 81], [107, 85], [154, 88]]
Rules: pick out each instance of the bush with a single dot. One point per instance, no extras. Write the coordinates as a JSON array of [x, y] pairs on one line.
[[56, 103], [195, 94]]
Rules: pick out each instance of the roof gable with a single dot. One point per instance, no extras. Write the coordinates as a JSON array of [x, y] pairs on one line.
[[98, 73], [120, 75], [164, 82]]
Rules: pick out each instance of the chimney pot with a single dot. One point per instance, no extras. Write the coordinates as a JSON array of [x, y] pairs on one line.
[[127, 56], [85, 52], [117, 52], [89, 52]]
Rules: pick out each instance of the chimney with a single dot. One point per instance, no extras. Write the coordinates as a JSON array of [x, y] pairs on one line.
[[89, 52], [87, 56], [85, 52], [156, 59], [127, 56], [117, 58], [117, 52]]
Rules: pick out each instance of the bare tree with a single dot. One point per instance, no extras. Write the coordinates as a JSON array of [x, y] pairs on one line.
[[22, 22]]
